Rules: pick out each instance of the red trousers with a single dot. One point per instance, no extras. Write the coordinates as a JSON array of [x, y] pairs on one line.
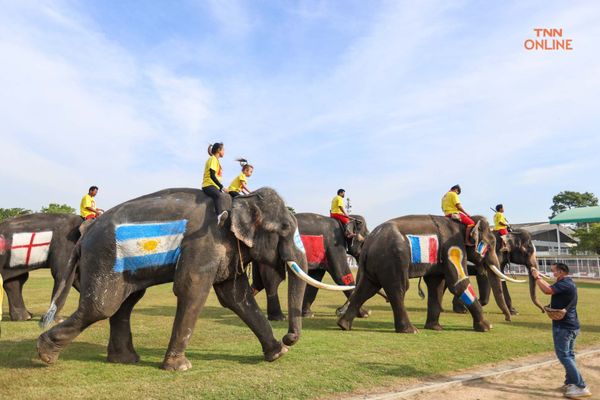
[[340, 217]]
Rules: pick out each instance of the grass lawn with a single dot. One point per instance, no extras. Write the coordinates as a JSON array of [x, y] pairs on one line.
[[227, 358]]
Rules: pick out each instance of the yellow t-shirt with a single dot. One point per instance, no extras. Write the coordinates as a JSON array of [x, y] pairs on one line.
[[336, 205], [86, 201], [214, 164], [236, 185], [499, 217], [449, 202]]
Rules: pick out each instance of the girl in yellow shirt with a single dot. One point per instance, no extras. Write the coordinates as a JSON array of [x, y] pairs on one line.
[[211, 182], [238, 186]]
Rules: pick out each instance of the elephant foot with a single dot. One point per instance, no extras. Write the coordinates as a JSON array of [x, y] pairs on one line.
[[308, 314], [363, 313], [276, 317], [176, 363], [124, 358], [291, 339], [47, 350], [408, 329], [345, 324], [434, 326], [482, 326], [23, 315], [513, 312], [271, 356]]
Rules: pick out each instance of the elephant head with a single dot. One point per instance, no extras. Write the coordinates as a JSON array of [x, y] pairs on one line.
[[484, 254], [265, 225], [358, 227], [522, 251]]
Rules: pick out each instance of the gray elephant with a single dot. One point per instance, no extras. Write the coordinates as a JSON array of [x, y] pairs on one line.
[[30, 242], [522, 252], [172, 235], [327, 251], [432, 247]]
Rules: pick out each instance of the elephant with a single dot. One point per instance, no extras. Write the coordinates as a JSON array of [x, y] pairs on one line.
[[329, 254], [522, 252], [172, 236], [30, 242], [432, 247]]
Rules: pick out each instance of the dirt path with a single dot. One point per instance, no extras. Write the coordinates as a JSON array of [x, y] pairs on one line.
[[537, 377]]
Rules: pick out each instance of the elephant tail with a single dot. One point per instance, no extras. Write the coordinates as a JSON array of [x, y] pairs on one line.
[[64, 284], [421, 292]]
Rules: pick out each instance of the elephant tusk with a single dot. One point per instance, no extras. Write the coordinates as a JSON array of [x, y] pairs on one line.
[[548, 277], [313, 282], [502, 276]]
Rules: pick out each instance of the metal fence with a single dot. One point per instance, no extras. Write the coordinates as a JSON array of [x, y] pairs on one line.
[[579, 267]]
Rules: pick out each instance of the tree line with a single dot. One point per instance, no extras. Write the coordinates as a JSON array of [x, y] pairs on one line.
[[53, 208]]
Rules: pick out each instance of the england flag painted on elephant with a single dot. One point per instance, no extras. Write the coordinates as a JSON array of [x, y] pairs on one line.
[[423, 249], [29, 248], [148, 244]]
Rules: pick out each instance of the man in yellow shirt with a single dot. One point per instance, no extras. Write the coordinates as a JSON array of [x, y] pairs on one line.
[[87, 207], [453, 209], [501, 225], [337, 208]]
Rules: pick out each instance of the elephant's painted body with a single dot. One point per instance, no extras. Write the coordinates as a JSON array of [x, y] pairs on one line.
[[386, 262], [209, 257], [335, 262], [65, 233], [522, 252]]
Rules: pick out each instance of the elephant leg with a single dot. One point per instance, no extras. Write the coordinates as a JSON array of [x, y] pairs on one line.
[[365, 289], [236, 295], [120, 344], [16, 305], [507, 298], [483, 284], [100, 302], [191, 290], [272, 280], [436, 285], [395, 292], [311, 292], [52, 342]]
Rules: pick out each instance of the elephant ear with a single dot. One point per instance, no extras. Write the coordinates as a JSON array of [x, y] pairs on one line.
[[245, 218], [475, 232]]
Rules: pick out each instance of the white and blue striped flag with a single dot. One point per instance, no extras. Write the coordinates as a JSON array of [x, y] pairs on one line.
[[148, 245]]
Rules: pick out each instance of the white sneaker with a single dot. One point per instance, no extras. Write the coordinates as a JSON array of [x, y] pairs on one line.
[[574, 392], [222, 218]]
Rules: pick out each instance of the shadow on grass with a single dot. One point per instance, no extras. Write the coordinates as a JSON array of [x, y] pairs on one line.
[[397, 370], [546, 326], [23, 355]]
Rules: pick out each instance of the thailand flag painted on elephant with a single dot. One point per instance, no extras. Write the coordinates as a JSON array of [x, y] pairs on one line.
[[468, 296], [423, 249], [148, 245]]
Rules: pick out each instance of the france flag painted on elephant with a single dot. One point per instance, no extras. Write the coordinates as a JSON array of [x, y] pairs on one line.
[[423, 249], [148, 244]]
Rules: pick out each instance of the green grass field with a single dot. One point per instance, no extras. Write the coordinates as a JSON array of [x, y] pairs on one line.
[[227, 358]]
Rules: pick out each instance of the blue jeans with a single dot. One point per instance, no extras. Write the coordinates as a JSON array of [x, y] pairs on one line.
[[564, 343]]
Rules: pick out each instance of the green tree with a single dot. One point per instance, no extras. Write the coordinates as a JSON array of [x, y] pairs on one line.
[[54, 208], [567, 200], [292, 209], [12, 212], [588, 240]]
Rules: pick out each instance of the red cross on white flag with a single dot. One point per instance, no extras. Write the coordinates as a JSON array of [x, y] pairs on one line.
[[29, 248]]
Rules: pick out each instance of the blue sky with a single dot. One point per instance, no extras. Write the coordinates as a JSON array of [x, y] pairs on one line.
[[393, 101]]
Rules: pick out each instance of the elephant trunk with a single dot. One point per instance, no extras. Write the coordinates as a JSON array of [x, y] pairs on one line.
[[296, 288], [496, 285], [532, 291]]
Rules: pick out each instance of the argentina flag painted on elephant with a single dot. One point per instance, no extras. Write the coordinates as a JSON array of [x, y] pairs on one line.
[[148, 244]]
